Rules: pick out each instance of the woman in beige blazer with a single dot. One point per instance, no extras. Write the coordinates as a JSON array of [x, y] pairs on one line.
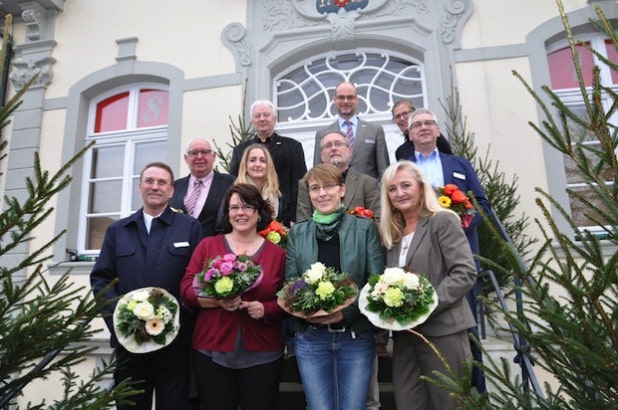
[[427, 239]]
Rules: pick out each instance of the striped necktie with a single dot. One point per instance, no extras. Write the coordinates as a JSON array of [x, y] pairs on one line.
[[349, 132], [191, 200]]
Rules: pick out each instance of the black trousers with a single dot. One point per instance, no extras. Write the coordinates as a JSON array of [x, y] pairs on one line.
[[222, 388], [165, 371]]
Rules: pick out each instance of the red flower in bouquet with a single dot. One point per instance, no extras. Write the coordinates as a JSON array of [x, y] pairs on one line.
[[276, 233], [363, 212], [453, 198]]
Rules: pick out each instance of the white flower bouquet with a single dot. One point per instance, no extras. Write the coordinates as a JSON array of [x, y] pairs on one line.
[[146, 319], [320, 291], [397, 300]]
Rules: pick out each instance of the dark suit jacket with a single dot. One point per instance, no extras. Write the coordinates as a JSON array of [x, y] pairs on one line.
[[369, 154], [138, 259], [289, 158], [459, 171], [210, 215], [360, 190], [406, 150], [440, 251]]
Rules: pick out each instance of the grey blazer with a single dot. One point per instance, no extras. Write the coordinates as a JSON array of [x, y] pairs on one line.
[[360, 190], [369, 153], [440, 251]]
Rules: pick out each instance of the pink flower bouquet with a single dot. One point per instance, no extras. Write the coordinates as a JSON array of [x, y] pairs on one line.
[[227, 276]]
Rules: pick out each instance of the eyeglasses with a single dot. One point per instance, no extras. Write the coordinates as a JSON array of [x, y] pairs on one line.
[[345, 97], [245, 208], [315, 189], [336, 144], [401, 115], [426, 123], [196, 152]]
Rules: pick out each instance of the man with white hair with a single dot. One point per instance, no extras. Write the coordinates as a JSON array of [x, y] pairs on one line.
[[287, 154]]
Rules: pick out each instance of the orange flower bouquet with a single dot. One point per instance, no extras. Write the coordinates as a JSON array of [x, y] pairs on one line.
[[453, 198], [276, 233]]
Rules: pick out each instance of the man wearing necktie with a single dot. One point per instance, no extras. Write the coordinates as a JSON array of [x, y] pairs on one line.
[[369, 149], [200, 193]]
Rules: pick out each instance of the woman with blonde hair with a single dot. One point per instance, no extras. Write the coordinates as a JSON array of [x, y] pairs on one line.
[[425, 238], [257, 168]]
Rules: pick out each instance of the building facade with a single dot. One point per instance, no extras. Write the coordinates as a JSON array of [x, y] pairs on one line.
[[138, 79]]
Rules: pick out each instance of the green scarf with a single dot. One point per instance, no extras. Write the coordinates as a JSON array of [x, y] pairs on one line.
[[328, 224]]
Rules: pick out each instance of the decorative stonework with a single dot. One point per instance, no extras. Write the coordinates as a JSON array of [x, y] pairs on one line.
[[35, 23], [342, 24], [395, 8], [454, 12], [282, 16], [235, 37], [24, 71]]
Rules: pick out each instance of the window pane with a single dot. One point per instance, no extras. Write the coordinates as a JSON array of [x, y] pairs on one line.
[[580, 212], [153, 108], [96, 230], [146, 152], [105, 196], [136, 200], [107, 161], [562, 69], [112, 113]]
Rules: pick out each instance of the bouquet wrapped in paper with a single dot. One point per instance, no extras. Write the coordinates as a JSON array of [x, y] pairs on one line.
[[451, 197], [320, 291], [397, 300], [227, 276], [146, 319]]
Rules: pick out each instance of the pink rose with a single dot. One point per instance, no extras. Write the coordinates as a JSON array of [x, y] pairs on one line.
[[241, 266], [226, 268], [229, 257], [209, 273]]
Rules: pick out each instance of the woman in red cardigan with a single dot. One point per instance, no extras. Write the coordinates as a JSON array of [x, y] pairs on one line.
[[238, 342]]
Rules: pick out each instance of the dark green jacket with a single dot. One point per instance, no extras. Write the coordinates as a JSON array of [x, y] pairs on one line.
[[361, 255]]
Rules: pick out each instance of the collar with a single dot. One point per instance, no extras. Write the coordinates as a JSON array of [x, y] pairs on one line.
[[432, 155], [353, 120]]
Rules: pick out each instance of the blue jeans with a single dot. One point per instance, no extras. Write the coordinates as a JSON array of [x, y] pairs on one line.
[[335, 368]]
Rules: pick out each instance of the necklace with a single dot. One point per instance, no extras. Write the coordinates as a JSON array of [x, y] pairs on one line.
[[405, 243]]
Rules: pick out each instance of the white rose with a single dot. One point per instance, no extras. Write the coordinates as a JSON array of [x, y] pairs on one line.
[[144, 311], [141, 296], [411, 281], [315, 273], [393, 276]]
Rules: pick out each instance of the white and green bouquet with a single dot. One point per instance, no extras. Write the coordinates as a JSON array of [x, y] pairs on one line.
[[320, 291], [146, 319], [398, 300]]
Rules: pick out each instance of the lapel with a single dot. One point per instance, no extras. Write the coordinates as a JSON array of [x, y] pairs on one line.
[[422, 228], [447, 168], [351, 185], [213, 194]]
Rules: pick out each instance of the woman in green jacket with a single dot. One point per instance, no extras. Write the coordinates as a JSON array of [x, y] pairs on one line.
[[335, 353]]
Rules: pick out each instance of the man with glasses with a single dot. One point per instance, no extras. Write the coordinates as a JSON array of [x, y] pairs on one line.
[[200, 193], [369, 149], [287, 154], [441, 169], [401, 112], [360, 190]]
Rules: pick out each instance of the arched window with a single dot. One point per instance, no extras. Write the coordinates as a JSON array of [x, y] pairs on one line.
[[129, 127], [305, 92], [565, 85]]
